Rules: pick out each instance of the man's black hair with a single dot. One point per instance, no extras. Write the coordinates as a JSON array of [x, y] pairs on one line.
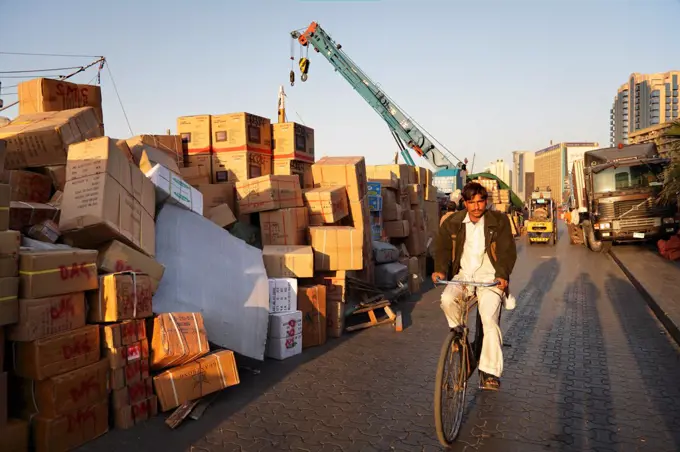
[[473, 189]]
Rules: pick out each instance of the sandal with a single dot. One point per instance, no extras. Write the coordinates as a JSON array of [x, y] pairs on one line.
[[489, 382]]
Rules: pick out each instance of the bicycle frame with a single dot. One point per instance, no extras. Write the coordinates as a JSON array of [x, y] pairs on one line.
[[474, 347]]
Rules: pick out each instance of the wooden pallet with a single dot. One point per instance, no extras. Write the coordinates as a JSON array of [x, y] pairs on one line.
[[373, 319]]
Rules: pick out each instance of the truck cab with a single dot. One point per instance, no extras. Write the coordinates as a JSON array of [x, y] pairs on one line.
[[622, 187]]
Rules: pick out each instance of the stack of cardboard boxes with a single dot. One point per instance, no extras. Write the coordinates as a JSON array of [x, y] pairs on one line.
[[409, 213]]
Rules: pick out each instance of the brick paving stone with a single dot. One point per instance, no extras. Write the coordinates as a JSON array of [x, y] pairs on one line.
[[587, 368]]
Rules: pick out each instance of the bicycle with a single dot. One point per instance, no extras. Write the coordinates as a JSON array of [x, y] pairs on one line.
[[457, 349]]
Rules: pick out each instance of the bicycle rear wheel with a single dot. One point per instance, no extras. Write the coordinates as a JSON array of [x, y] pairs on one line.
[[450, 388]]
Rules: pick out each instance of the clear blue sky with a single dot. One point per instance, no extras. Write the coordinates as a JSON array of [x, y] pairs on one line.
[[484, 77]]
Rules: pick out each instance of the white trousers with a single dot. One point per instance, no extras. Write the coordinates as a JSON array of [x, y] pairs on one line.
[[489, 305]]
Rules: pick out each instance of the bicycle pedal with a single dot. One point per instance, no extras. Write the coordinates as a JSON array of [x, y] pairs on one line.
[[507, 345]]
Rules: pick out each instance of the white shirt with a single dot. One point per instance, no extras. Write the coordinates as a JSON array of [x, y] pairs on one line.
[[475, 264]]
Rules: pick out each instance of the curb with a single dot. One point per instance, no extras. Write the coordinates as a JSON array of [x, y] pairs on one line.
[[660, 314]]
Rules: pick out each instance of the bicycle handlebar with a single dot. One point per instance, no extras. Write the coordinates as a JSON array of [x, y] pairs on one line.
[[467, 283]]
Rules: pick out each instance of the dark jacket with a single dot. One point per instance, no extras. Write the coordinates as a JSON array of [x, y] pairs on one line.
[[500, 244]]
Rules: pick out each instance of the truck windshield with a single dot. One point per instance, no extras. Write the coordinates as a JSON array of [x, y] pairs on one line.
[[627, 177]]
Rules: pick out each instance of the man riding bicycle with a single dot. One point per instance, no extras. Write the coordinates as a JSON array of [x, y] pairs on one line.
[[480, 245]]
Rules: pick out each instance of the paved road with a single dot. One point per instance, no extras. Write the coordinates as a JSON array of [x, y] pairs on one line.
[[589, 369]]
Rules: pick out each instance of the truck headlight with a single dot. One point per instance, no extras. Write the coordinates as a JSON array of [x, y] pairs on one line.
[[668, 220], [605, 226]]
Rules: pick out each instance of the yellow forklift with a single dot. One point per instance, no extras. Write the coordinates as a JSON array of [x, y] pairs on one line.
[[542, 223]]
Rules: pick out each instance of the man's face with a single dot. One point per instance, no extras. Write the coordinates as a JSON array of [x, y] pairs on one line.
[[476, 207]]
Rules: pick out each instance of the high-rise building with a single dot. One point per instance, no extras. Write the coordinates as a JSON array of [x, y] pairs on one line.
[[500, 170], [522, 166], [552, 166], [645, 100]]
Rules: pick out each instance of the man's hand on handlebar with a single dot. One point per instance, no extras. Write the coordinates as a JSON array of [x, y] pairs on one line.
[[502, 284], [438, 276]]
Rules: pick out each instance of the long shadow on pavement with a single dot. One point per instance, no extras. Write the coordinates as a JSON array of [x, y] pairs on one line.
[[656, 414], [486, 419]]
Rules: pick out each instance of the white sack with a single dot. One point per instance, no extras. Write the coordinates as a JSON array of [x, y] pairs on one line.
[[207, 270]]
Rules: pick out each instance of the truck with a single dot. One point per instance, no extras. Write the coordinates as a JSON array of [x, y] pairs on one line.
[[615, 193]]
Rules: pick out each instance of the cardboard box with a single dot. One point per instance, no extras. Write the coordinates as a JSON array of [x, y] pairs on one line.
[[335, 318], [128, 332], [239, 166], [397, 229], [121, 296], [106, 197], [10, 243], [337, 247], [42, 139], [177, 338], [285, 226], [160, 149], [57, 354], [42, 317], [326, 205], [347, 171], [195, 175], [285, 324], [312, 303], [195, 134], [390, 176], [334, 281], [72, 429], [5, 199], [66, 392], [115, 257], [9, 304], [290, 167], [293, 141], [214, 372], [416, 194], [216, 194], [236, 132], [283, 294], [14, 436], [23, 215], [170, 188], [203, 163], [57, 173], [28, 186], [46, 231], [268, 193], [288, 261], [221, 215], [284, 347], [43, 94], [242, 147], [57, 272], [430, 193]]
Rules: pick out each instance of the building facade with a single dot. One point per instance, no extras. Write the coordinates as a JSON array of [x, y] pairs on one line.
[[522, 165], [654, 134], [645, 100], [552, 166], [500, 170]]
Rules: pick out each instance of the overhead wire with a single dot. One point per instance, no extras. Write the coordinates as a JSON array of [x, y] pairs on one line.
[[41, 70], [115, 88], [50, 55]]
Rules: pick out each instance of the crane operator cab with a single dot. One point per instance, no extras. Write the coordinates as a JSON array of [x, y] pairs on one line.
[[542, 223]]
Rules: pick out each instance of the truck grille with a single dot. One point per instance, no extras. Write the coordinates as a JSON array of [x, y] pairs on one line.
[[637, 223], [618, 208]]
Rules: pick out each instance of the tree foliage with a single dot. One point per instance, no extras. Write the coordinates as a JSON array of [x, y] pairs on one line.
[[671, 189]]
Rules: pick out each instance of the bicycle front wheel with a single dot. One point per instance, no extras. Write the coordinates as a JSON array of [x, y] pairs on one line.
[[449, 389]]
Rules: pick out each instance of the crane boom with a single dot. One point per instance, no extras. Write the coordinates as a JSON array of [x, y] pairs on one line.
[[402, 126]]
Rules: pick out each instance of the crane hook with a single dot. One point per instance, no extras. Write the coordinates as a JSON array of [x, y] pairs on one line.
[[304, 68], [292, 78]]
